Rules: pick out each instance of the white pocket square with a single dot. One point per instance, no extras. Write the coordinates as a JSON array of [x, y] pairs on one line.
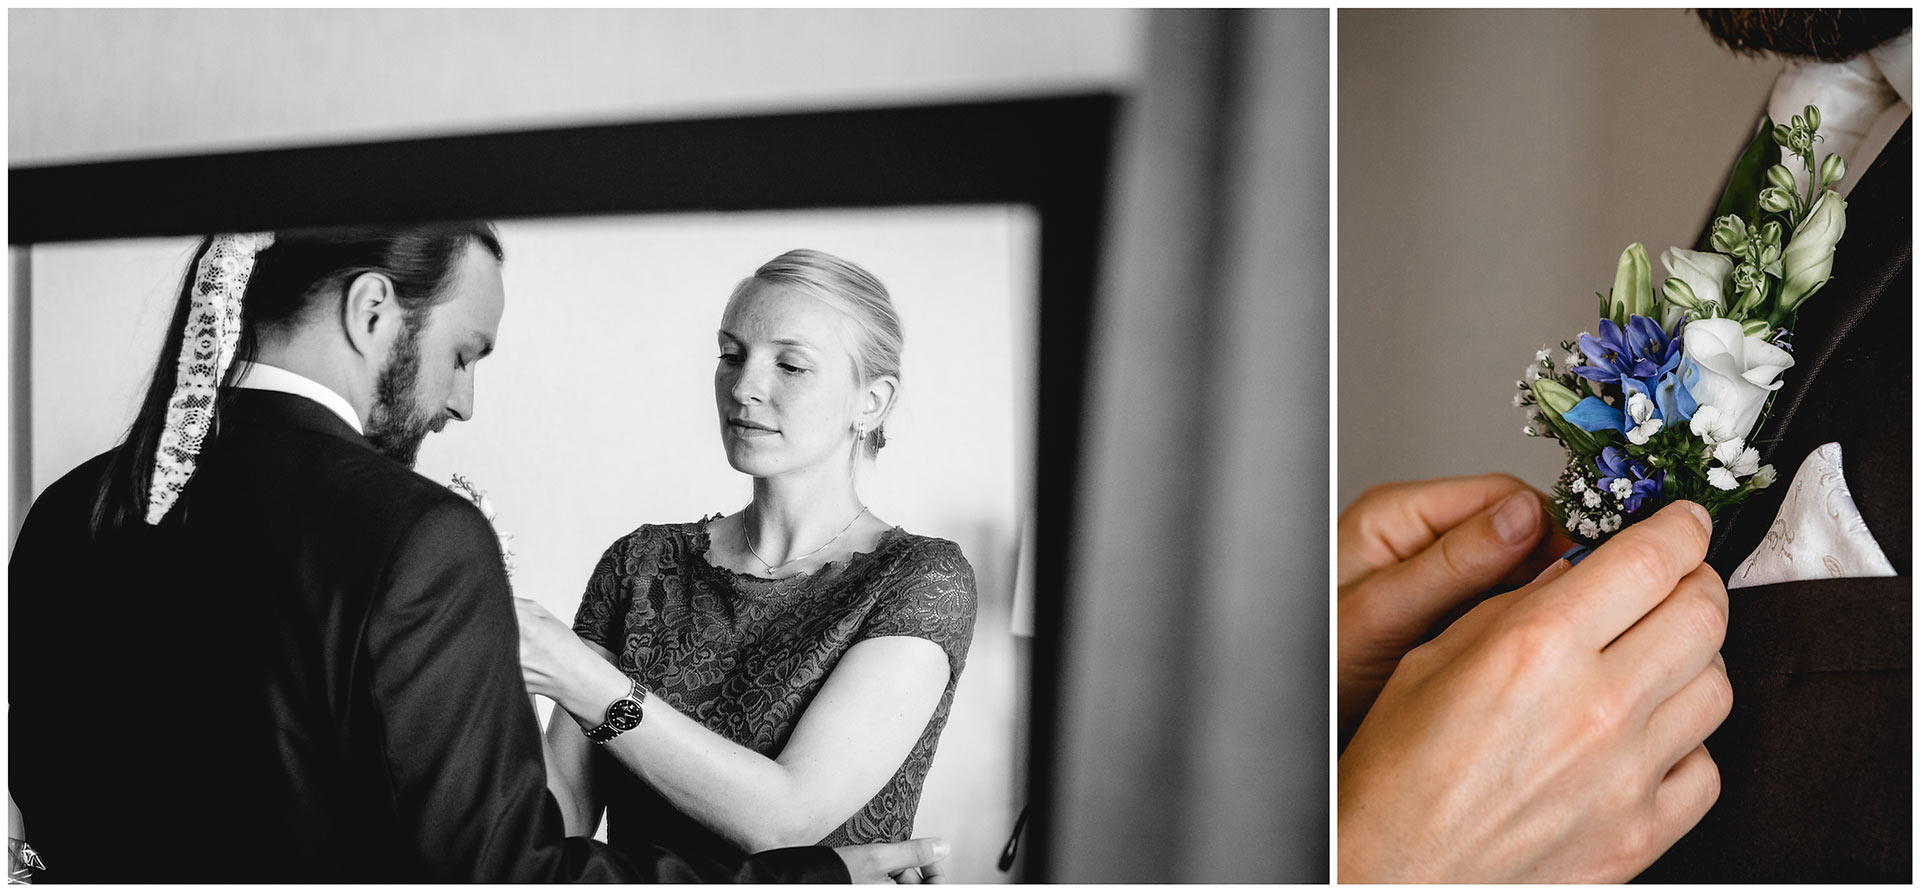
[[1818, 533]]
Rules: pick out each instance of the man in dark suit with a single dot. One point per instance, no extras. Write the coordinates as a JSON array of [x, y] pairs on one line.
[[306, 669], [1817, 754]]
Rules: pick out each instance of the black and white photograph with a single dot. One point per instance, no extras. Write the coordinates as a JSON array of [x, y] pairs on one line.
[[668, 445]]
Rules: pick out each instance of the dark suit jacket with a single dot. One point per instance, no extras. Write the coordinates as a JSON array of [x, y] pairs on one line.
[[308, 672], [1816, 758]]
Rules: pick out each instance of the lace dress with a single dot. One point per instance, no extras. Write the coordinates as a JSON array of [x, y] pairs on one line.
[[744, 656]]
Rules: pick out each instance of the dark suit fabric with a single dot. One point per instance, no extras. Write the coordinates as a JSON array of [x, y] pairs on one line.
[[308, 672], [1816, 758]]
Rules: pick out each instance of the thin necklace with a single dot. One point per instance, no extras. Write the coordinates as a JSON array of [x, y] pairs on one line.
[[747, 533]]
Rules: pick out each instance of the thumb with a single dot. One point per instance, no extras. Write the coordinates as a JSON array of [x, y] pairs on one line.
[[1465, 561]]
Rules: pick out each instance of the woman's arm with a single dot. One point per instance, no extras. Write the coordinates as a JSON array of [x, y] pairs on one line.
[[570, 773], [848, 744]]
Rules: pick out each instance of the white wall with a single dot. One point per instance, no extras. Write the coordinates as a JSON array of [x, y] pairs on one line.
[[94, 84], [596, 412]]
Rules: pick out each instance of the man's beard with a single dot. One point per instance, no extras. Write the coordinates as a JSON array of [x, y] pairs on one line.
[[398, 424], [1827, 34]]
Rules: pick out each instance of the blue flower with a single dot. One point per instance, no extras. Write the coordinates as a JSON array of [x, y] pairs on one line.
[[1627, 479], [1642, 350]]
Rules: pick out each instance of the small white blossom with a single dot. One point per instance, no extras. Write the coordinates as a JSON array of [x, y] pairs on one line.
[[1722, 478], [1640, 412], [1589, 529], [1579, 485], [1574, 359], [1528, 431], [1521, 385], [1621, 487], [1763, 477], [1609, 523], [1573, 517], [1739, 458], [1519, 399], [1591, 499], [1542, 354], [1713, 426], [1533, 372]]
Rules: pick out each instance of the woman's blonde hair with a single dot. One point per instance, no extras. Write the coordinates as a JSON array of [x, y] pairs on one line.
[[855, 293]]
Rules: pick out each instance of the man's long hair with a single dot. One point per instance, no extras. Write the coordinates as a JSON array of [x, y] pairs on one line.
[[305, 274]]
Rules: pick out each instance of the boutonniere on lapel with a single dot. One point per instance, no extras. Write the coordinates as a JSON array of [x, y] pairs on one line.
[[478, 497], [1661, 404]]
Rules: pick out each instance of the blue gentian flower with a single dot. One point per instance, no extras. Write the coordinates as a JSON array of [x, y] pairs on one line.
[[1616, 465], [1642, 350]]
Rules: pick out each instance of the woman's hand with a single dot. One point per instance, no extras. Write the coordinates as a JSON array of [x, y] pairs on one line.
[[1410, 553], [1554, 732], [552, 658]]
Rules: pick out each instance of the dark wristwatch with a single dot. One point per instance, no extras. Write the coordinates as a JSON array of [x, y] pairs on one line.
[[623, 715]]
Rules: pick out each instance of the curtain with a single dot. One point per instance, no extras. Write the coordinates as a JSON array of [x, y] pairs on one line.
[[1193, 734]]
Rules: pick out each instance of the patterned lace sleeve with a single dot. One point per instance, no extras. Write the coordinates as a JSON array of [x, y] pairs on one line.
[[603, 609], [928, 594]]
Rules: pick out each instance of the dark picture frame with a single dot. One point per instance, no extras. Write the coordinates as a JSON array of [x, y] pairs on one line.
[[1050, 153]]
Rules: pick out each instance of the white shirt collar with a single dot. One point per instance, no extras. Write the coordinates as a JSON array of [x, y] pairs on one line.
[[261, 376], [1862, 101]]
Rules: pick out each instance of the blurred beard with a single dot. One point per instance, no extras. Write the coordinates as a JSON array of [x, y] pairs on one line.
[[1829, 35], [397, 424]]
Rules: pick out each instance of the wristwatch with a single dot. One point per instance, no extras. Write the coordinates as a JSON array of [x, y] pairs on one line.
[[623, 715]]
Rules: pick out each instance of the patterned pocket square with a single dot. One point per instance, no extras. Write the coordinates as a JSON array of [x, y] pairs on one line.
[[1818, 533]]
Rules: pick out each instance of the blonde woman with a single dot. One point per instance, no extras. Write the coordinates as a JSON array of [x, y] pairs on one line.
[[780, 675]]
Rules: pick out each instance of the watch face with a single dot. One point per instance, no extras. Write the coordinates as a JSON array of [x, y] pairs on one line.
[[623, 715]]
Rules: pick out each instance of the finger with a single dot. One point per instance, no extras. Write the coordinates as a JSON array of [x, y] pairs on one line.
[[1690, 715], [1684, 796], [1549, 549], [912, 853], [933, 872], [1463, 562], [1466, 630], [1676, 639], [1389, 524], [908, 877], [1628, 575]]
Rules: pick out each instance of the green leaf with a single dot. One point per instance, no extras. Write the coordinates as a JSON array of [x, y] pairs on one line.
[[1749, 176]]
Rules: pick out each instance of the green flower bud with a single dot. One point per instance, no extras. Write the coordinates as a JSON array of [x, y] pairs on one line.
[[1776, 200], [1755, 328], [1808, 260], [1632, 285], [1768, 234], [1832, 170], [1680, 294], [1555, 399], [1782, 135], [1813, 117], [1780, 177], [1730, 236]]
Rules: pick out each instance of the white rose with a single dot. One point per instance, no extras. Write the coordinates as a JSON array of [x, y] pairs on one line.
[[1807, 262], [1732, 372], [1704, 272]]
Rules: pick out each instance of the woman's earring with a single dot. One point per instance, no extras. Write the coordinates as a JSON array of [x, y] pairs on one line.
[[860, 431]]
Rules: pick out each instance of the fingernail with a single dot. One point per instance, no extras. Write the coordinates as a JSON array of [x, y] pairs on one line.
[[1517, 518], [1553, 570], [939, 848], [1700, 514]]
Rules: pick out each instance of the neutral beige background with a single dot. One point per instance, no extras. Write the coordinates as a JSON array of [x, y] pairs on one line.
[[1493, 164]]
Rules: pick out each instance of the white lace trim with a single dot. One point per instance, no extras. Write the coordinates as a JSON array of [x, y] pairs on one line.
[[213, 331]]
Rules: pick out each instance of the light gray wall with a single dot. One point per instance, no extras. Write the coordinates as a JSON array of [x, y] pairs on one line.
[[1493, 164], [91, 84]]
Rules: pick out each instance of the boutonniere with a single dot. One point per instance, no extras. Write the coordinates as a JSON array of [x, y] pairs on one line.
[[1661, 404], [478, 497]]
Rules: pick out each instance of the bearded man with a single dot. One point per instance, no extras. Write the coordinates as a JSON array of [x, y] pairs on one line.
[[250, 644]]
